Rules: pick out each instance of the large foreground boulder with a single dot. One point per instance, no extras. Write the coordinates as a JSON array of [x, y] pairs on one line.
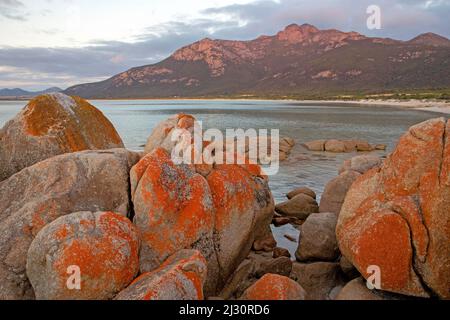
[[51, 125], [181, 277], [36, 196], [220, 214], [173, 210], [103, 248], [397, 218]]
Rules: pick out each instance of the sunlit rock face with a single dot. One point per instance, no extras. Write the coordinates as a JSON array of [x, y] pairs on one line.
[[50, 125], [397, 217]]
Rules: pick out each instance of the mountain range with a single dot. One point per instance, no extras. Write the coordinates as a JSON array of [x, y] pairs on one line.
[[301, 60], [25, 94]]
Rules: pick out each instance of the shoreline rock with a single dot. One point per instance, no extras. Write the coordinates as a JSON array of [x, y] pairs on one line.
[[37, 195], [342, 146], [104, 246], [51, 125], [404, 206]]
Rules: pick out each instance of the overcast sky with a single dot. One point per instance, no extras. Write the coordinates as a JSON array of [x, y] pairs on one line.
[[47, 43]]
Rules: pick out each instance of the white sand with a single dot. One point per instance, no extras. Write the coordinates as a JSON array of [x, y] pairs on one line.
[[423, 105]]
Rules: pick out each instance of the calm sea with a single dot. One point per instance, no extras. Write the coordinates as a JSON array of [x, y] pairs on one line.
[[134, 120]]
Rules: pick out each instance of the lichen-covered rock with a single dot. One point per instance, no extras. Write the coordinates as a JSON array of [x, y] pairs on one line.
[[318, 238], [221, 215], [181, 277], [173, 210], [31, 199], [161, 136], [274, 287], [51, 125], [335, 191], [103, 246], [397, 217], [243, 209], [300, 206]]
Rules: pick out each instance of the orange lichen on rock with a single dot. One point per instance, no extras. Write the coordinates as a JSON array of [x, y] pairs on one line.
[[397, 217], [103, 246], [51, 125], [76, 124], [274, 287], [181, 277], [173, 209]]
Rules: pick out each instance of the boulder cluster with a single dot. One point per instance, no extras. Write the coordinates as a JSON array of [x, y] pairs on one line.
[[342, 146], [389, 216], [81, 217], [129, 225]]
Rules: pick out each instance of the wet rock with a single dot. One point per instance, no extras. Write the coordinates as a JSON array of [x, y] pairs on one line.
[[317, 145], [335, 146], [104, 246], [303, 190], [51, 125], [181, 277], [335, 191], [274, 287], [381, 147], [301, 206], [280, 221], [318, 238], [363, 146], [396, 217], [36, 196]]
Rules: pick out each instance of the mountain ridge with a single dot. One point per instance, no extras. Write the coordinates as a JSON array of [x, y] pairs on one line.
[[301, 59], [18, 92]]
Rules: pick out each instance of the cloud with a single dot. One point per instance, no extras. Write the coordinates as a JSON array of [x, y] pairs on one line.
[[12, 9], [42, 67]]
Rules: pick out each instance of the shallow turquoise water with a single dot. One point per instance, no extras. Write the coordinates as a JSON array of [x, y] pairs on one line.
[[134, 120]]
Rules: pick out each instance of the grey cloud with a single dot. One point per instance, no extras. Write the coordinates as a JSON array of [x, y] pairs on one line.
[[12, 9]]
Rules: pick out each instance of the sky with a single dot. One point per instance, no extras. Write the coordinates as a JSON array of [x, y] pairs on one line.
[[45, 43]]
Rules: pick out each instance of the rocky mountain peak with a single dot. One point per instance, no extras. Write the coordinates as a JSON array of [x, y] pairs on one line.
[[431, 39], [294, 33]]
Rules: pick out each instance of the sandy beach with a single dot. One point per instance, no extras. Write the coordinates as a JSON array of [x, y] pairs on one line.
[[424, 105]]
